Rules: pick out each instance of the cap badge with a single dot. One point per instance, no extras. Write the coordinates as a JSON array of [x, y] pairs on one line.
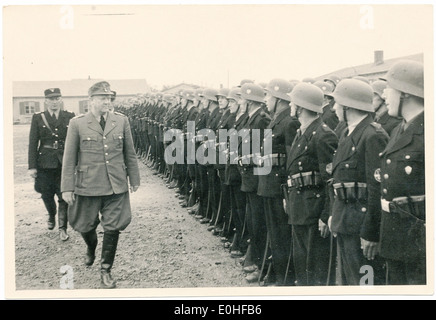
[[276, 88], [408, 170], [248, 91]]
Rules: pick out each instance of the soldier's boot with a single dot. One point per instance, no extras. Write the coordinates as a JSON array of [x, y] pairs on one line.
[[63, 220], [91, 241], [50, 205], [110, 242]]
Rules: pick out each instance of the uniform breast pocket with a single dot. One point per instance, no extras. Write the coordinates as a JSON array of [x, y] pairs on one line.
[[347, 169], [89, 142], [118, 140]]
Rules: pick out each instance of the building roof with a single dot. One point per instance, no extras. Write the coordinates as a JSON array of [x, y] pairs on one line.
[[180, 86], [77, 87], [370, 68]]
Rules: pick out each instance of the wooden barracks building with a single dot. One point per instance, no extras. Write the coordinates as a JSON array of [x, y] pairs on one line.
[[28, 96]]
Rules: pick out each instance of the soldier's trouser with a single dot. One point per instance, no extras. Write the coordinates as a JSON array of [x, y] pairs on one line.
[[310, 255], [406, 272], [203, 189], [48, 183], [280, 236], [214, 191], [256, 225], [238, 204], [223, 214], [354, 266]]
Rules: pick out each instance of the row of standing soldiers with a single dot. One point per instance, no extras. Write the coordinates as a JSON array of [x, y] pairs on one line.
[[344, 192]]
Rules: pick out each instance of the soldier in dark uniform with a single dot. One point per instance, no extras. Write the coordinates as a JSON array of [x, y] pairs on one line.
[[99, 168], [283, 129], [253, 96], [309, 163], [48, 131], [403, 228], [381, 111], [356, 209], [237, 198]]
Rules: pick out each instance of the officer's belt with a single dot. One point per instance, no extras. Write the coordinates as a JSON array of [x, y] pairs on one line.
[[350, 191], [305, 179], [413, 206], [274, 160], [56, 145]]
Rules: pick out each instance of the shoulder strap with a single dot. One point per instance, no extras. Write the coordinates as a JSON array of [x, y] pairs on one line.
[[45, 121]]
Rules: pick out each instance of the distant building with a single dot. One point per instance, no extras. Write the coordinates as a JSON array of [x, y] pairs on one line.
[[28, 96], [182, 86], [371, 71]]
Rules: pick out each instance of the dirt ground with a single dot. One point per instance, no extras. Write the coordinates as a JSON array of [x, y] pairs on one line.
[[163, 247]]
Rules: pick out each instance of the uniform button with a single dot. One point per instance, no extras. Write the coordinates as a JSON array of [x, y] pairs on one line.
[[300, 168], [105, 145], [388, 161], [299, 163], [106, 153], [386, 176], [56, 129], [314, 132], [298, 146], [104, 138], [318, 195], [353, 148], [407, 157], [347, 165], [385, 191], [305, 148], [298, 192], [380, 154], [363, 209], [107, 161], [89, 138]]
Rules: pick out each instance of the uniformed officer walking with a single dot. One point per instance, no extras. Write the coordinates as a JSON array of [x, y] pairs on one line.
[[99, 165], [309, 169], [403, 225], [356, 181], [48, 131]]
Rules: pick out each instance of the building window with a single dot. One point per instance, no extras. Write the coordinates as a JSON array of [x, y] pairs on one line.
[[29, 107], [83, 106]]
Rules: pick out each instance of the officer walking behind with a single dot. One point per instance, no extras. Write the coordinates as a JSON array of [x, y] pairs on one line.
[[356, 181], [403, 178], [47, 135], [99, 163], [283, 129], [309, 169]]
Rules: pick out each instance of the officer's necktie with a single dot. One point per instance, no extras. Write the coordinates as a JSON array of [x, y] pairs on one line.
[[54, 116], [102, 122]]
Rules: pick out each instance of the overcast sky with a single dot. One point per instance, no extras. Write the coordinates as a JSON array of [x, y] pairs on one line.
[[206, 45]]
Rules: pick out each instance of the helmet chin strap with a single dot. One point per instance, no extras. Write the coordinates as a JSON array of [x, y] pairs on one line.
[[344, 113]]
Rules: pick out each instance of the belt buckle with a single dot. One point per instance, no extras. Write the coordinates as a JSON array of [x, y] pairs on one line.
[[385, 205]]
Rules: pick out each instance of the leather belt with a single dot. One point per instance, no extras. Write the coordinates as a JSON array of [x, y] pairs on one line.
[[350, 191], [388, 206], [305, 179]]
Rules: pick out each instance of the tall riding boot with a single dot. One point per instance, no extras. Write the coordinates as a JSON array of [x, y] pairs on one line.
[[110, 241], [63, 220], [91, 243], [50, 205]]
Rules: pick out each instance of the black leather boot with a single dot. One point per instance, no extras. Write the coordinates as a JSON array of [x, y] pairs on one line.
[[63, 220], [50, 205], [91, 243], [110, 242]]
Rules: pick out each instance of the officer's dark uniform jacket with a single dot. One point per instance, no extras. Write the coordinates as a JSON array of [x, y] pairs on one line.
[[403, 175], [387, 122], [226, 122], [309, 169], [356, 209], [232, 174], [46, 148], [259, 120], [281, 126]]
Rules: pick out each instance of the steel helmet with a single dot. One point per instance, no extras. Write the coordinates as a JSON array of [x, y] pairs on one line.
[[280, 88], [354, 94], [407, 76], [308, 96], [378, 87], [361, 78], [333, 80], [168, 97], [210, 94], [244, 81], [198, 93], [159, 96], [263, 84], [326, 87], [308, 80], [188, 95], [234, 94], [252, 92], [223, 92]]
